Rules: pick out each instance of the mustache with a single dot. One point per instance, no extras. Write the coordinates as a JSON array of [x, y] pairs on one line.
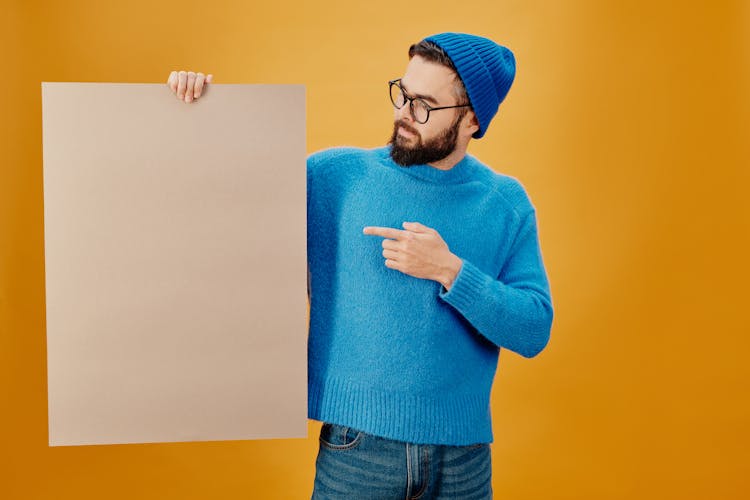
[[407, 127]]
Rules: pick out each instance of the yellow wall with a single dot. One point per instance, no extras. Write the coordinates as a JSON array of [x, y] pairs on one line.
[[625, 124]]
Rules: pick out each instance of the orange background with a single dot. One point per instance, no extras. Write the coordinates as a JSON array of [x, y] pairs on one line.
[[626, 124]]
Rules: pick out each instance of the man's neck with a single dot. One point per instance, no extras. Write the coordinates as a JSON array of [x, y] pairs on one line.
[[451, 160]]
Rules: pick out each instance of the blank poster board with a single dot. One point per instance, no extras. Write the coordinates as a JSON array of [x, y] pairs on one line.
[[176, 272]]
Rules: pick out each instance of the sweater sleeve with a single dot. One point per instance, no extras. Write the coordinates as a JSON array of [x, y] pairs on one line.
[[514, 310]]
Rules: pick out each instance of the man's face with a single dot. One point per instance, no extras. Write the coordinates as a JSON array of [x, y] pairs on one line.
[[414, 143]]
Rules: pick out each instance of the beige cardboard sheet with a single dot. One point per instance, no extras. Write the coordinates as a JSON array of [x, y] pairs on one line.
[[175, 252]]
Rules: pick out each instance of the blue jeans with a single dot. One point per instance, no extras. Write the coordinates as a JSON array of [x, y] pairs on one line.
[[359, 466]]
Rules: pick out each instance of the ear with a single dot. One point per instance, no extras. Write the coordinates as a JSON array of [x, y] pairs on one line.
[[471, 123]]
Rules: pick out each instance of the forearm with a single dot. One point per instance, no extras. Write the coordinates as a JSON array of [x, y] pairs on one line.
[[518, 318]]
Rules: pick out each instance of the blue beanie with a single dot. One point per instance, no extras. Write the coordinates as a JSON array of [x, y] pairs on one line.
[[486, 69]]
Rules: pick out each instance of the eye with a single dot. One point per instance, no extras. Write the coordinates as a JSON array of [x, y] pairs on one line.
[[421, 110], [397, 96]]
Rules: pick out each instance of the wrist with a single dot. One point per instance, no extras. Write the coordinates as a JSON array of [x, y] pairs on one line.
[[450, 271]]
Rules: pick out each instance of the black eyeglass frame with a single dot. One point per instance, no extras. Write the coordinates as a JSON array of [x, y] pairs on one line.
[[397, 83]]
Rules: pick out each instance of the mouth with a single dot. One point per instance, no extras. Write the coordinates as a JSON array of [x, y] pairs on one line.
[[405, 133]]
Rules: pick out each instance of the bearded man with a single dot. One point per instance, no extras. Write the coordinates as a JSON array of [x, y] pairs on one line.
[[423, 264]]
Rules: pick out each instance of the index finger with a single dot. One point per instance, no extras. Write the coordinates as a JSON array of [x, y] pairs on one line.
[[198, 88], [385, 232]]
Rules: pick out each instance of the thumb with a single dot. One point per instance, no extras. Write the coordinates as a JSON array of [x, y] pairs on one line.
[[415, 227], [209, 78]]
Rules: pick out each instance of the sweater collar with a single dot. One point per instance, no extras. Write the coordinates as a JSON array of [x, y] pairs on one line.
[[455, 175]]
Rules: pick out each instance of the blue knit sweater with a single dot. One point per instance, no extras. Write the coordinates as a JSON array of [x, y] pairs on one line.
[[402, 357]]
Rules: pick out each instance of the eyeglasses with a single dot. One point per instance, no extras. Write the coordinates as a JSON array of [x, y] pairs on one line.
[[420, 110]]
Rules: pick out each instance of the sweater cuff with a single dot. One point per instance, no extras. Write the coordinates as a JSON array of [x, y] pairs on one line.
[[468, 285]]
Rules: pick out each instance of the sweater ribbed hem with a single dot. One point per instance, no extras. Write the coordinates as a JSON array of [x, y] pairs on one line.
[[453, 420]]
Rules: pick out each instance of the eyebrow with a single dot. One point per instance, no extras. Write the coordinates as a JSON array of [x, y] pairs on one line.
[[427, 98]]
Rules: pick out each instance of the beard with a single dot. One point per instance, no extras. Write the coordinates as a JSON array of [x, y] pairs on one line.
[[421, 152]]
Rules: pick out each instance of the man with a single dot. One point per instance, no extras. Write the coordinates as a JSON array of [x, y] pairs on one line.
[[423, 264]]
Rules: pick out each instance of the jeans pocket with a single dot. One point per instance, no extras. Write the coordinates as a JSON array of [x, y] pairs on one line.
[[339, 437]]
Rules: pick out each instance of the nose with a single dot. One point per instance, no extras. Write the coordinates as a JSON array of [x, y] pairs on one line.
[[404, 113]]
